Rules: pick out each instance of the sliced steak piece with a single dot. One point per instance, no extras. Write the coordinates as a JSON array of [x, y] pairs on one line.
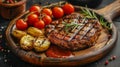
[[74, 32]]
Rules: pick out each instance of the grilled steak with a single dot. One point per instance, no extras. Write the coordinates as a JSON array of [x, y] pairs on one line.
[[73, 32]]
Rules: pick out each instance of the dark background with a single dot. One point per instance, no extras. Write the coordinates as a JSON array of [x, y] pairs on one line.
[[8, 59]]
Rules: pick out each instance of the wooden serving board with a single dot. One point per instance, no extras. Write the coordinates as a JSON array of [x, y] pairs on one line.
[[99, 50]]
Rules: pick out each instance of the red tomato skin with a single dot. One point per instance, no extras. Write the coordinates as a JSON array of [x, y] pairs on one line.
[[68, 8], [40, 24], [32, 18], [21, 25], [57, 52], [47, 11], [47, 19], [57, 12], [35, 9]]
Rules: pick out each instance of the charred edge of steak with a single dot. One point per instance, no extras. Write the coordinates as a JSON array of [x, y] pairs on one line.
[[74, 44], [83, 36]]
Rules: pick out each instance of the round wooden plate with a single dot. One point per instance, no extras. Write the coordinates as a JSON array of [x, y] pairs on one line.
[[99, 50]]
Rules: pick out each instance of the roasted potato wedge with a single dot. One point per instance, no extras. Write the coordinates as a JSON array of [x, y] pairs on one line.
[[41, 44], [26, 42], [18, 34], [35, 32]]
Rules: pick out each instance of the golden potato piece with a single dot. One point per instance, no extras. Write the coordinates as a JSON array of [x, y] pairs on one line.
[[26, 42], [41, 44], [18, 34], [35, 31]]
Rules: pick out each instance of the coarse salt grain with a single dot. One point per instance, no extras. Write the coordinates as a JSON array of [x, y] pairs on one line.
[[5, 60], [2, 50], [8, 51], [0, 36]]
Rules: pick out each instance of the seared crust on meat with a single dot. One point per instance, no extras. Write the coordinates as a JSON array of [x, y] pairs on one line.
[[83, 35]]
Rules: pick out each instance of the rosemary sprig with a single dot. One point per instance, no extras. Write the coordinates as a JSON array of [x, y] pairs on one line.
[[68, 26], [104, 23], [90, 14], [72, 26]]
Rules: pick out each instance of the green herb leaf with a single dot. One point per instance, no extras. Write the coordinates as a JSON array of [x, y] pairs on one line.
[[104, 23], [72, 26], [90, 14], [69, 26]]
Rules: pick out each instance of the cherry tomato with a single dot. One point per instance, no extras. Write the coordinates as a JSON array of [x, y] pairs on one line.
[[21, 24], [40, 24], [32, 18], [47, 19], [68, 8], [47, 11], [57, 12], [35, 9], [57, 52]]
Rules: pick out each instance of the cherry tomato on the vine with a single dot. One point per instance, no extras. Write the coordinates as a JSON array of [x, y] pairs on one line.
[[47, 19], [32, 18], [21, 24], [47, 11], [68, 8], [57, 12], [35, 9], [40, 24]]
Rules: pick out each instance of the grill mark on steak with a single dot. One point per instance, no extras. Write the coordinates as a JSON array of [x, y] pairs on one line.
[[89, 28], [79, 37], [79, 28]]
